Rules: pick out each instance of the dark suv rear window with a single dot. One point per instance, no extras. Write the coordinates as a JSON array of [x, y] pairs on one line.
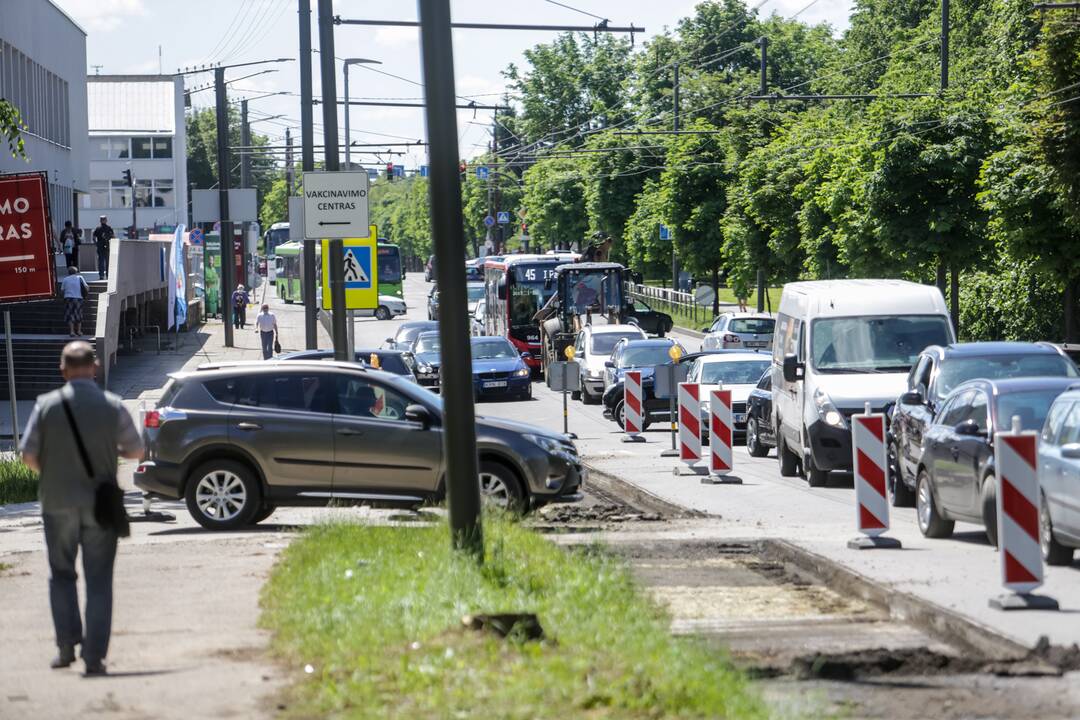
[[223, 390], [284, 391]]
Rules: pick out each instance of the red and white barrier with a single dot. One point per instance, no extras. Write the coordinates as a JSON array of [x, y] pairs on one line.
[[633, 405], [1018, 511], [721, 431], [689, 423], [870, 461]]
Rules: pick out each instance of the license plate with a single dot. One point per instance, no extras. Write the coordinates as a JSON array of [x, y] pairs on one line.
[[740, 417], [495, 384], [756, 344]]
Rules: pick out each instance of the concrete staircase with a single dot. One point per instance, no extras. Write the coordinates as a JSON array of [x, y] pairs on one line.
[[38, 335]]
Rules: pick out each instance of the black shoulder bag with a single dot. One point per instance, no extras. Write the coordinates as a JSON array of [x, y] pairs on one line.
[[109, 509]]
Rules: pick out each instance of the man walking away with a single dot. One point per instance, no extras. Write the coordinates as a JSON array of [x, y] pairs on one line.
[[102, 235], [266, 326], [69, 244], [74, 290], [67, 499], [239, 306]]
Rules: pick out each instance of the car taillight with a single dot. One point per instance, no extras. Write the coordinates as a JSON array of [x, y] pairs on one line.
[[732, 338], [153, 419]]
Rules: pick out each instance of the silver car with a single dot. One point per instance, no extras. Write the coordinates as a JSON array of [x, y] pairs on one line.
[[740, 331], [1059, 480]]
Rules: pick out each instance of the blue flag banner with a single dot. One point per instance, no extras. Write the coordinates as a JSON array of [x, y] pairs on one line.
[[177, 295]]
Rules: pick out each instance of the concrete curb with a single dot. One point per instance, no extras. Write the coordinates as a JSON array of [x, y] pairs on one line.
[[937, 621], [688, 331], [643, 499]]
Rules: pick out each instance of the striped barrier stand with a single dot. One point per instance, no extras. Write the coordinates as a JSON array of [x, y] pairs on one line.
[[689, 430], [633, 407], [721, 436], [1018, 521], [869, 459]]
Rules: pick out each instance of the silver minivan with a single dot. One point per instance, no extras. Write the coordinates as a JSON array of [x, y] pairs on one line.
[[1059, 480]]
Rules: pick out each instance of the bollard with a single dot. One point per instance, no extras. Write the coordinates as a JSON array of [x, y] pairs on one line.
[[1018, 521], [633, 407], [869, 459], [721, 434], [689, 430]]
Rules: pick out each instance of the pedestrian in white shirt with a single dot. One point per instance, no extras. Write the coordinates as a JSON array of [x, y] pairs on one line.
[[74, 289], [266, 326]]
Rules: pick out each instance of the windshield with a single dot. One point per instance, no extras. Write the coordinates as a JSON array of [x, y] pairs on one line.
[[492, 350], [1031, 406], [389, 265], [427, 343], [476, 291], [874, 344], [734, 372], [275, 238], [956, 371], [474, 272], [645, 356], [592, 290], [752, 326], [408, 333], [525, 300], [604, 343]]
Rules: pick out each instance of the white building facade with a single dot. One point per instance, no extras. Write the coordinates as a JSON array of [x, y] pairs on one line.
[[136, 123], [43, 74]]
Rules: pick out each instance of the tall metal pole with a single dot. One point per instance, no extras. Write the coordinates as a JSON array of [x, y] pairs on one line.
[[763, 90], [228, 255], [336, 261], [289, 179], [944, 45], [348, 137], [11, 379], [307, 156], [675, 126], [459, 420], [245, 182]]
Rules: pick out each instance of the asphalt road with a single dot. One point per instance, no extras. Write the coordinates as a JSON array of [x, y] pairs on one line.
[[960, 574]]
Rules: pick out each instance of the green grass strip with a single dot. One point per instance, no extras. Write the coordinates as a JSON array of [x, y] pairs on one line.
[[18, 483], [376, 612]]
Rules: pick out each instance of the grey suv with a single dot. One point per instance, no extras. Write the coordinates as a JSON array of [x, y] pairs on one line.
[[238, 440]]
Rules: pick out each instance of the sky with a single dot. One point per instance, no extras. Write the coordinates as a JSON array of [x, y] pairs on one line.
[[145, 36]]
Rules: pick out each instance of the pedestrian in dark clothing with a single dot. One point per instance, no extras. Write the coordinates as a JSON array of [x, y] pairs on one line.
[[67, 495], [69, 244], [266, 326], [102, 235], [239, 305]]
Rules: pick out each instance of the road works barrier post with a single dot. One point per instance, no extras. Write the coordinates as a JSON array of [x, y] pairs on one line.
[[565, 376], [869, 460], [1018, 521], [721, 434], [689, 430], [633, 407], [672, 372]]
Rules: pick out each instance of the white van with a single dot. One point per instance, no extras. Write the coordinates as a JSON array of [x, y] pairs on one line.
[[839, 344]]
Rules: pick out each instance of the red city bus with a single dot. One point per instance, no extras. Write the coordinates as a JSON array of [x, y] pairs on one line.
[[515, 287]]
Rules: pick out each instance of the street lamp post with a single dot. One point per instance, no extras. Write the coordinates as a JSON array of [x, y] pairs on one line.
[[348, 166]]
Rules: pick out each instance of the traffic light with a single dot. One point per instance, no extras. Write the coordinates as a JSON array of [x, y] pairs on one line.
[[128, 180], [390, 171]]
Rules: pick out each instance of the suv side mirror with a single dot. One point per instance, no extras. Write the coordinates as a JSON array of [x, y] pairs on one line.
[[390, 341], [417, 413], [1071, 451], [968, 428], [609, 363], [911, 397], [793, 369]]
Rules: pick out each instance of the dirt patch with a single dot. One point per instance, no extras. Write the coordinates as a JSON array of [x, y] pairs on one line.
[[871, 663], [597, 512]]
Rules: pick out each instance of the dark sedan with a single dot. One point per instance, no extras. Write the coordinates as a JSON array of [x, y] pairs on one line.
[[498, 369], [407, 332], [955, 476], [651, 321], [759, 427], [935, 373], [426, 351]]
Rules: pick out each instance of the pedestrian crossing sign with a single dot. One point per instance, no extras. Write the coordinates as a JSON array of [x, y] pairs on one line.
[[361, 272]]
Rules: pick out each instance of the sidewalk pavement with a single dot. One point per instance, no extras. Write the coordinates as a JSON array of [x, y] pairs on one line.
[[186, 601]]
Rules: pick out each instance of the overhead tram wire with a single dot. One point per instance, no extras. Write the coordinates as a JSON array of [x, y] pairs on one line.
[[242, 20], [260, 28], [213, 54], [577, 10]]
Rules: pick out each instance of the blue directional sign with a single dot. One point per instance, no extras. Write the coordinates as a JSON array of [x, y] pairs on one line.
[[357, 267], [665, 232], [399, 171], [482, 172], [489, 221], [423, 171], [504, 217]]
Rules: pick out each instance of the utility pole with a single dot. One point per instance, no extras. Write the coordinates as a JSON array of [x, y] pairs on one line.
[[228, 255], [763, 82], [336, 261], [245, 181], [307, 158], [675, 126], [459, 419], [288, 163]]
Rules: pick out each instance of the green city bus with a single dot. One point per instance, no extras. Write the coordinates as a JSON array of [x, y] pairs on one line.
[[290, 261]]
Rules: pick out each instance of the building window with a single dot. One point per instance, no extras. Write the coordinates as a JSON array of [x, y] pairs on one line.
[[121, 194], [118, 149], [99, 148], [99, 193], [162, 147], [163, 194], [143, 191], [140, 148]]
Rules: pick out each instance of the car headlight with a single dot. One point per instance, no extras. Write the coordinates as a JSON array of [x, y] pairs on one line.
[[424, 368], [827, 411], [546, 444], [523, 372]]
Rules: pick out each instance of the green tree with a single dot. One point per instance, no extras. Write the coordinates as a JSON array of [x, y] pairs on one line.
[[11, 126], [614, 179], [644, 251], [202, 154], [554, 196]]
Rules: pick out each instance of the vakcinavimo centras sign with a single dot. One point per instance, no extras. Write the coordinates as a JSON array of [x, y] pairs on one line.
[[26, 260]]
